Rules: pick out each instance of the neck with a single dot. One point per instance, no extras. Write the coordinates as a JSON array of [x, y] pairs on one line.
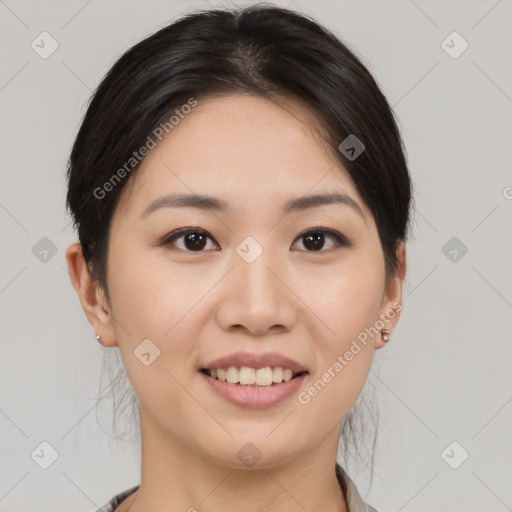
[[175, 477]]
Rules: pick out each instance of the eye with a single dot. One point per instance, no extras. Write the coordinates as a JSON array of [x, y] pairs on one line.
[[194, 239], [314, 240]]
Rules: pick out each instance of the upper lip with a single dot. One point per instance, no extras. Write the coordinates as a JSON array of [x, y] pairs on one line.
[[239, 359]]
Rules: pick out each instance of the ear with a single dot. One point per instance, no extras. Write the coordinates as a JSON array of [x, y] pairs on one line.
[[91, 296], [392, 300]]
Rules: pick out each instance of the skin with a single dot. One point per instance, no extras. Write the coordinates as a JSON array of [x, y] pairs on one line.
[[198, 306]]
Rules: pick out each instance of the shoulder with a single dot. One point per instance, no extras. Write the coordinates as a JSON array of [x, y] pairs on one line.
[[354, 500], [116, 500]]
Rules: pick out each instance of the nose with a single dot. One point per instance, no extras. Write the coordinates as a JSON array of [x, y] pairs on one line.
[[256, 298]]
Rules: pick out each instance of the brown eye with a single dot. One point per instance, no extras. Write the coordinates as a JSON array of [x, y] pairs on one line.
[[193, 240], [314, 240]]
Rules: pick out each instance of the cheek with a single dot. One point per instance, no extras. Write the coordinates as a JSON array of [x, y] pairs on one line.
[[345, 349], [345, 298], [151, 300], [347, 305], [354, 303], [150, 294], [163, 302]]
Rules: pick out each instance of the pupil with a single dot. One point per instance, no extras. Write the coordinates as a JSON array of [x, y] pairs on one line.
[[312, 241], [197, 241]]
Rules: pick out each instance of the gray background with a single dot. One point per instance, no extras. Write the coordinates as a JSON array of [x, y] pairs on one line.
[[445, 375]]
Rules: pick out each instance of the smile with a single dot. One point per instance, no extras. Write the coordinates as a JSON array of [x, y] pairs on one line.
[[245, 390], [254, 377]]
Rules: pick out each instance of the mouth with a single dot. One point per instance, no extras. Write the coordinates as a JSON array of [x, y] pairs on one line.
[[253, 377]]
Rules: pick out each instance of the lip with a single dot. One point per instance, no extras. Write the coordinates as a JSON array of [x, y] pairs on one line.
[[239, 359], [255, 397]]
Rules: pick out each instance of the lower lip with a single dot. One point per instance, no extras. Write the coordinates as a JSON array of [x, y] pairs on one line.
[[255, 397]]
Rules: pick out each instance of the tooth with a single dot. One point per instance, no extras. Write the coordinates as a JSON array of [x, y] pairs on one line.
[[247, 376], [277, 374], [264, 376], [232, 375], [287, 374]]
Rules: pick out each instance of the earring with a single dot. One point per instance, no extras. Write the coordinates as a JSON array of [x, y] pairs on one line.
[[98, 337], [385, 335]]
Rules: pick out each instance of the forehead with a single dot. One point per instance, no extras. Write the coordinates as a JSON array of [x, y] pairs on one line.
[[244, 148]]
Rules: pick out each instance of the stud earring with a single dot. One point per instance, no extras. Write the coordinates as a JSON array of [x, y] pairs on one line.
[[98, 337], [385, 335]]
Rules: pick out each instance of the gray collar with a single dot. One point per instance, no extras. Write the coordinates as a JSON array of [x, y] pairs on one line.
[[354, 500]]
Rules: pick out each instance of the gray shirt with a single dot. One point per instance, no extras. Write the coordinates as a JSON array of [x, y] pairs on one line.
[[354, 501]]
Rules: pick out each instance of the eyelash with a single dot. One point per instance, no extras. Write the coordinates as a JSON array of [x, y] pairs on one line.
[[340, 240]]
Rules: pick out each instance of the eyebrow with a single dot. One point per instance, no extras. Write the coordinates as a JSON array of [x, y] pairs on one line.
[[210, 203]]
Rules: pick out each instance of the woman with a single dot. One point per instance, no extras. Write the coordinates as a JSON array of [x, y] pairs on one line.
[[241, 198]]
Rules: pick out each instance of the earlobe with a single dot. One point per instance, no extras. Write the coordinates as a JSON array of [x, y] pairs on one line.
[[385, 335], [392, 303], [90, 294]]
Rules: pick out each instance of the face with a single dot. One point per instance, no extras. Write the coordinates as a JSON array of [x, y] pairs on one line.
[[257, 270]]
